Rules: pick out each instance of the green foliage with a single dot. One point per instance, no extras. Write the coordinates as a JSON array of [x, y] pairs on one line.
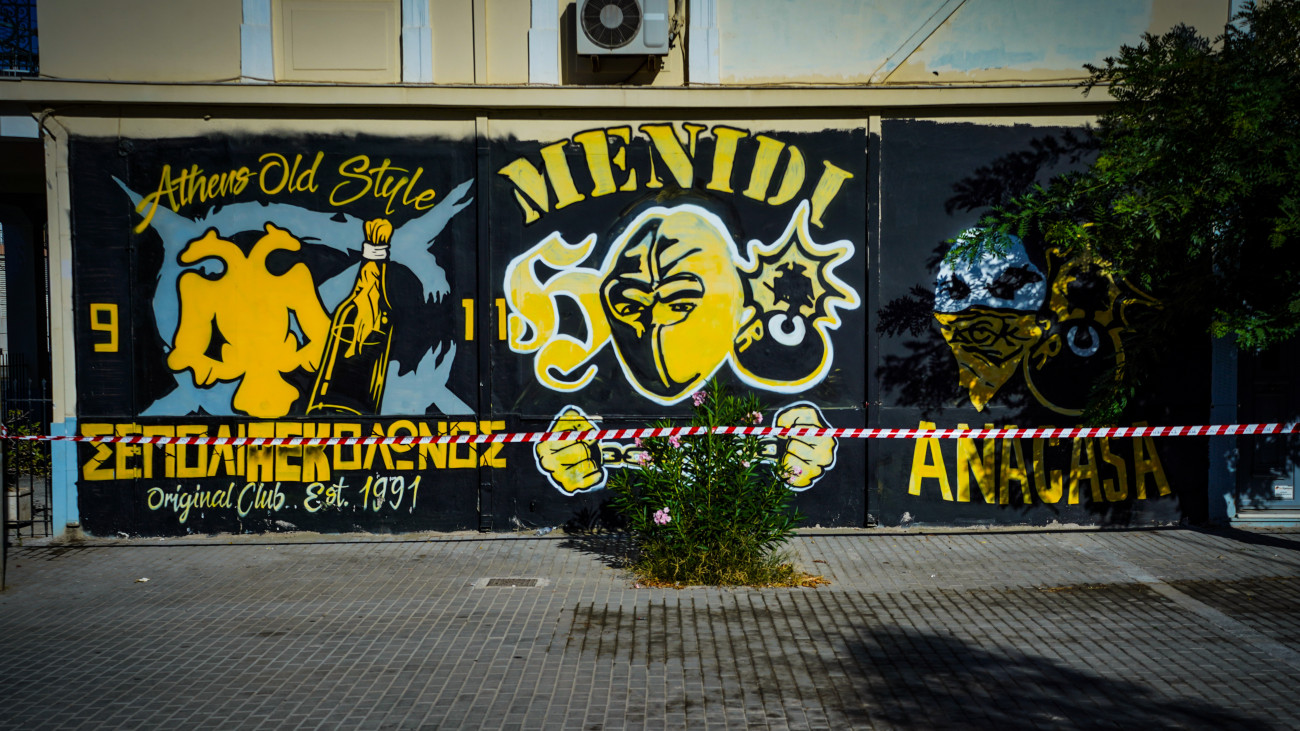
[[1195, 193], [25, 457], [709, 509]]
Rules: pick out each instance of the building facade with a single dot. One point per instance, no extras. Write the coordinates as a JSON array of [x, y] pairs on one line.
[[342, 218]]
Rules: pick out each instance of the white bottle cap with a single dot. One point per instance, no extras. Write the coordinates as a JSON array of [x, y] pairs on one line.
[[374, 252]]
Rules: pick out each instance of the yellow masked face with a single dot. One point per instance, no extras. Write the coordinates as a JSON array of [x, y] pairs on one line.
[[988, 314], [673, 300], [989, 346]]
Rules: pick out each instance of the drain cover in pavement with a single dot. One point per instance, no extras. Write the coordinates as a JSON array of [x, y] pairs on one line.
[[510, 581]]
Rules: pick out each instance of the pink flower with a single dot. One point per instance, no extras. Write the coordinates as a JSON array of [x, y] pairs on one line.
[[794, 470], [673, 440], [637, 441], [644, 459], [744, 463], [662, 517], [756, 417], [699, 396]]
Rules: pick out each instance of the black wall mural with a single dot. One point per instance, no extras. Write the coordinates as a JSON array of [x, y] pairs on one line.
[[1016, 341], [352, 285], [275, 286], [635, 264]]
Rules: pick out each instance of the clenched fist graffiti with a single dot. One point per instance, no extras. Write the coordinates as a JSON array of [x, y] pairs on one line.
[[583, 465]]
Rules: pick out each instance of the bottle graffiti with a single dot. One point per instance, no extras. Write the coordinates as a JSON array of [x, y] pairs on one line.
[[350, 379]]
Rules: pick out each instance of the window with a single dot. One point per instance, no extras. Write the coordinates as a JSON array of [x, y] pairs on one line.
[[338, 40], [18, 43]]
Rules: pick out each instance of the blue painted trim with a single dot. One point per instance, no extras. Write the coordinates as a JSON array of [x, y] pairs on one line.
[[417, 42], [1234, 7], [703, 65], [544, 43], [257, 58], [1267, 519], [63, 458], [19, 126]]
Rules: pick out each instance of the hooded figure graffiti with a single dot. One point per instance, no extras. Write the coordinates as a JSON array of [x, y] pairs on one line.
[[1062, 329], [673, 302], [678, 301]]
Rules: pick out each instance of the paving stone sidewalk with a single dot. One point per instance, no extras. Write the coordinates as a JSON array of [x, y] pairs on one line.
[[1158, 629]]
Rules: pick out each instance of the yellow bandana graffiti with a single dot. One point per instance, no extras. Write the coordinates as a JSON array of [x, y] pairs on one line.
[[989, 346], [582, 465], [1000, 315], [252, 343], [1005, 476], [678, 301]]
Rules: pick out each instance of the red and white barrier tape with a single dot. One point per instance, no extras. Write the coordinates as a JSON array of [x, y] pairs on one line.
[[1217, 430]]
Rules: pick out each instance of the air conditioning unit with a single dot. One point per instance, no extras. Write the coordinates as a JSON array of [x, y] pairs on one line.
[[622, 27]]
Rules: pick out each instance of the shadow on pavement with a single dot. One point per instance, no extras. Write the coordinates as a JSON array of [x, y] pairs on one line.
[[925, 529], [615, 550], [927, 681], [810, 657], [1286, 541]]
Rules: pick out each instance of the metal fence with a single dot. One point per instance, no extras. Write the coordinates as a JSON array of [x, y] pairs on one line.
[[19, 44], [26, 405]]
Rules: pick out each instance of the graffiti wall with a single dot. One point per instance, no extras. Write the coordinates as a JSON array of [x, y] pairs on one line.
[[1006, 342], [275, 286], [576, 274], [637, 263]]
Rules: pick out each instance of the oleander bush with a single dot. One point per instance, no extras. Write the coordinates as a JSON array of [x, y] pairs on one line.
[[709, 509]]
